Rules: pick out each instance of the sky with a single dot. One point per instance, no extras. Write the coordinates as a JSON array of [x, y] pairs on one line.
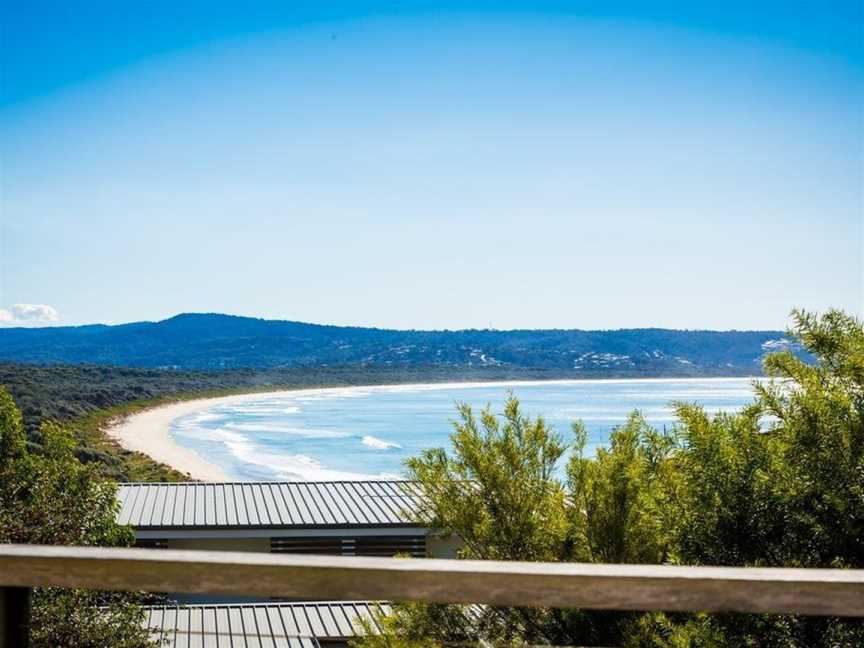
[[432, 165]]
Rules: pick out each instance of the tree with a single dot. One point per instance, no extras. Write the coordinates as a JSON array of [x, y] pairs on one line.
[[618, 497], [817, 435], [498, 488], [778, 483], [49, 497], [781, 482], [499, 491]]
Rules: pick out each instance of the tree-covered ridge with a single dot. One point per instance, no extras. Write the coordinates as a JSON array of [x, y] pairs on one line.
[[779, 483], [211, 341]]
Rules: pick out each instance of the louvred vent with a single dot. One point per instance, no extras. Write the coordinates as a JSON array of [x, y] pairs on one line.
[[386, 546]]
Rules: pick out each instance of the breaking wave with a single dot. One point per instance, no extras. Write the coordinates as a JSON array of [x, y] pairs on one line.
[[380, 444]]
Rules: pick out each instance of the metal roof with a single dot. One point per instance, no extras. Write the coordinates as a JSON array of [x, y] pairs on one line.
[[286, 625], [229, 505]]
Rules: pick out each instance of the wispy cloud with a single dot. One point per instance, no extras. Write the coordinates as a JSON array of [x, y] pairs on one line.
[[28, 314]]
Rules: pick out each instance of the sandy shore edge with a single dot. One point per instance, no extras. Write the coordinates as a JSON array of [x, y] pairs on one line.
[[149, 431]]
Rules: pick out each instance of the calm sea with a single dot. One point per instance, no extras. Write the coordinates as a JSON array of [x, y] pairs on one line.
[[369, 432]]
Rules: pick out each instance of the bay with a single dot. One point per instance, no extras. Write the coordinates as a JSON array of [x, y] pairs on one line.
[[368, 432]]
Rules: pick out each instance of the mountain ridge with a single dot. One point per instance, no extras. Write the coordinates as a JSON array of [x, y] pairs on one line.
[[220, 341]]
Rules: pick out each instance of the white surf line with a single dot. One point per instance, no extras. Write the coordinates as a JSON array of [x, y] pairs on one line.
[[149, 431]]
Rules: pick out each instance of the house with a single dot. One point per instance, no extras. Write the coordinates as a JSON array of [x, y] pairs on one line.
[[328, 624], [348, 518]]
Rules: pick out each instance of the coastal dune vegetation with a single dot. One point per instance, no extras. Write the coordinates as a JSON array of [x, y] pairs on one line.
[[779, 482]]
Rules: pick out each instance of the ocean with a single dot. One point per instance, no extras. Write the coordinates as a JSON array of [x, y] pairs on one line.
[[368, 432]]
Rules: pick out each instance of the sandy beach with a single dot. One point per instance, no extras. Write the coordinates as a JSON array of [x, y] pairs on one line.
[[149, 431]]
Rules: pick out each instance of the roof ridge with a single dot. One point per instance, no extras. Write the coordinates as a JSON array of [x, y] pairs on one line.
[[261, 604], [268, 482]]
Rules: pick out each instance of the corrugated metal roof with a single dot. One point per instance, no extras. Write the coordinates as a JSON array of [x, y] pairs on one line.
[[287, 625], [221, 626], [214, 505]]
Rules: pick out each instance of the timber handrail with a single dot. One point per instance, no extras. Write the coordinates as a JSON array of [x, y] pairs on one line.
[[828, 592]]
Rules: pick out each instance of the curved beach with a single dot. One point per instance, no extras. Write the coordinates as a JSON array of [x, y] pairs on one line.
[[149, 432], [153, 431]]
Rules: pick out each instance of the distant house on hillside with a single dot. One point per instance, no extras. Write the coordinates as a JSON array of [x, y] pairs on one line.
[[347, 518]]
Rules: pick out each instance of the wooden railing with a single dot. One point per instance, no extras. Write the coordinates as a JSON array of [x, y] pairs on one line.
[[823, 592]]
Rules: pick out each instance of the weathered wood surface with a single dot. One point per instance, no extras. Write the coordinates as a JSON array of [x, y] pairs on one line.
[[609, 587]]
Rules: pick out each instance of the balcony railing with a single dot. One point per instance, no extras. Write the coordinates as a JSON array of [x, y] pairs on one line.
[[821, 592]]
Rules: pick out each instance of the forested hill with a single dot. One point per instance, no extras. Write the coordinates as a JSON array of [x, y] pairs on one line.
[[211, 341]]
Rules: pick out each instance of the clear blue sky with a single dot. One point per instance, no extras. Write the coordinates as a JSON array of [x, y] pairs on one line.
[[431, 165]]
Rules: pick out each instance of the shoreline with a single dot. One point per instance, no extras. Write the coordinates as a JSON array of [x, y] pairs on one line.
[[149, 431]]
